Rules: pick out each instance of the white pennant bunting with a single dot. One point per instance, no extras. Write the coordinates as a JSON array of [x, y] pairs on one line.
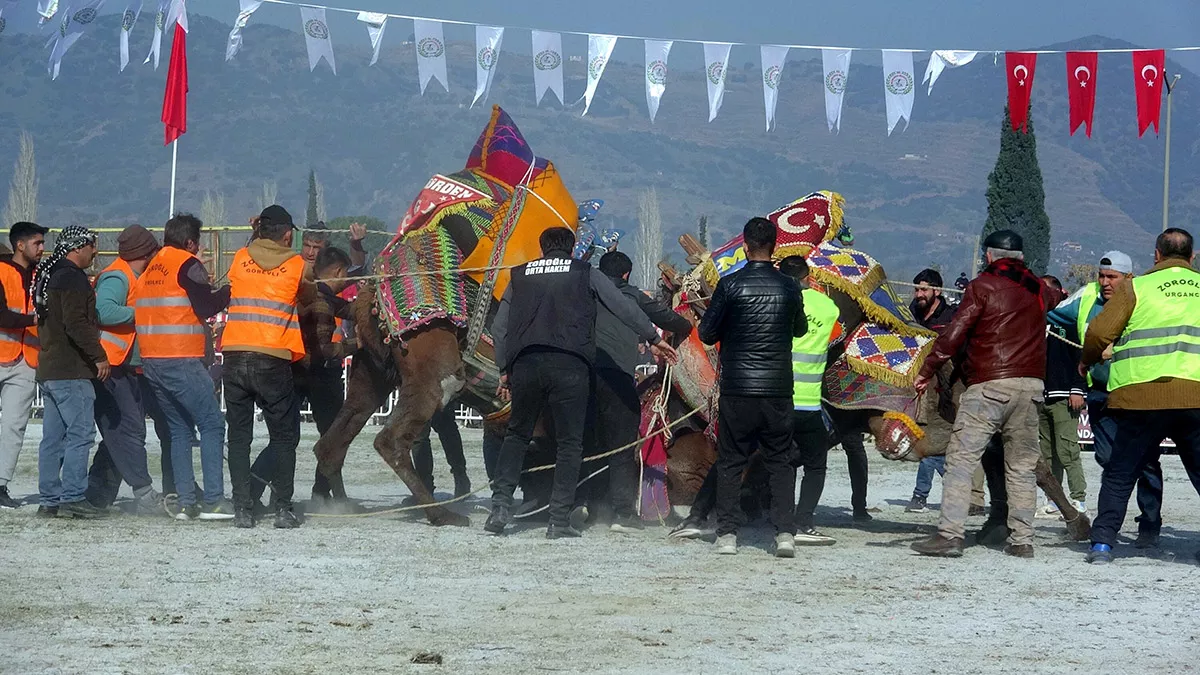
[[657, 52], [600, 48], [487, 51], [160, 20], [316, 37], [716, 59], [773, 59], [431, 52], [46, 10], [940, 60], [547, 64], [3, 22], [837, 73], [899, 86], [245, 9], [129, 18], [74, 23], [376, 23]]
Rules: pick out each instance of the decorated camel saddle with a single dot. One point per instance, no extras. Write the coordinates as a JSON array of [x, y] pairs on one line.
[[880, 350], [482, 220]]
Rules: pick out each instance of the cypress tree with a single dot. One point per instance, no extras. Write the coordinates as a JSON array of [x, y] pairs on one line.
[[1016, 197], [312, 215]]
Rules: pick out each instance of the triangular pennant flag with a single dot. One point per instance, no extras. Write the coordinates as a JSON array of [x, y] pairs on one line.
[[600, 48], [837, 73], [46, 10], [376, 24], [898, 86], [487, 50], [71, 28], [773, 59], [716, 60], [316, 37], [657, 52], [245, 9], [160, 21], [547, 64], [431, 52], [940, 60], [128, 19]]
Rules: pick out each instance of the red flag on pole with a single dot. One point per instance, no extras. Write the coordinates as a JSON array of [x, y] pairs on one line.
[[1020, 67], [1148, 72], [1081, 89], [174, 110]]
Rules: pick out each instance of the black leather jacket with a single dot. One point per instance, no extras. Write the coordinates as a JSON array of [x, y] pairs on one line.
[[754, 314]]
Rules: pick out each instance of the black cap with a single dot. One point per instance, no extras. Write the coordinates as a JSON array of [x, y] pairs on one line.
[[1005, 240], [276, 214]]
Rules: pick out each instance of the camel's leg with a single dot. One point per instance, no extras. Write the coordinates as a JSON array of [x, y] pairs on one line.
[[431, 373], [366, 392], [1079, 526]]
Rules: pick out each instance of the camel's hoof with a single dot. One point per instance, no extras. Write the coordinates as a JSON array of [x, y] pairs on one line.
[[1079, 529], [446, 517]]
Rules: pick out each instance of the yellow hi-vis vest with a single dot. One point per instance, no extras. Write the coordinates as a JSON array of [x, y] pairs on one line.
[[1162, 338], [1087, 301], [809, 350]]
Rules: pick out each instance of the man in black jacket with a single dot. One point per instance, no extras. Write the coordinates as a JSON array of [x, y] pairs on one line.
[[545, 344], [617, 409], [754, 313]]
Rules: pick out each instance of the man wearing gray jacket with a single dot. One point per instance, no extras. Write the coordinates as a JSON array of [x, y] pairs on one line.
[[617, 408]]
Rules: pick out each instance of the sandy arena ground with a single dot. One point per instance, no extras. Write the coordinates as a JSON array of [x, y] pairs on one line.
[[143, 595]]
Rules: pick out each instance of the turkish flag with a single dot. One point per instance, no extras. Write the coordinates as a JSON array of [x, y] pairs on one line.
[[1148, 73], [1020, 66], [1081, 88], [174, 110]]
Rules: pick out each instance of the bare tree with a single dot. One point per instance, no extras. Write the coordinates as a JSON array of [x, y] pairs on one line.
[[270, 192], [650, 240], [322, 213], [212, 210], [23, 194]]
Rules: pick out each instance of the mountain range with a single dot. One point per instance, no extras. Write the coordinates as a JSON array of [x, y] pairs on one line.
[[913, 199]]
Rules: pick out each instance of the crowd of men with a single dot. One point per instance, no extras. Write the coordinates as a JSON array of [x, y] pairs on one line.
[[1014, 364]]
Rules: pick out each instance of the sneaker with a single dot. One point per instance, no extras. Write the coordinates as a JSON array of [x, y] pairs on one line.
[[1099, 554], [221, 510], [784, 546], [499, 519], [81, 509], [149, 504], [1146, 539], [243, 518], [862, 517], [285, 519], [1019, 550], [807, 536], [940, 546], [690, 528], [727, 544], [188, 512], [977, 510], [1047, 511], [462, 485], [47, 511], [562, 532], [628, 525], [6, 501], [917, 505]]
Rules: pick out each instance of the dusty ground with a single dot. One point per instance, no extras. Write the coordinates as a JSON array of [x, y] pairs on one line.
[[366, 595]]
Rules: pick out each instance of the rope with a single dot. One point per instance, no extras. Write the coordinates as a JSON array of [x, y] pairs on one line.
[[1056, 336], [418, 273], [936, 288], [421, 507]]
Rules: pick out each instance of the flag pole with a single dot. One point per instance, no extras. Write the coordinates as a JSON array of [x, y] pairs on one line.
[[174, 161]]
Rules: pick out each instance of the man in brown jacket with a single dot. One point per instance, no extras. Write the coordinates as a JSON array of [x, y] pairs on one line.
[[71, 357], [1001, 326]]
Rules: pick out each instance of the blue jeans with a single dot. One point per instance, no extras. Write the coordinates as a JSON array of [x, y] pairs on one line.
[[1149, 483], [925, 471], [68, 429], [184, 391]]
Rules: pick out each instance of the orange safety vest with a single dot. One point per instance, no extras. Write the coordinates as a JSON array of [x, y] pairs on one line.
[[17, 342], [166, 324], [262, 306], [117, 341], [337, 331]]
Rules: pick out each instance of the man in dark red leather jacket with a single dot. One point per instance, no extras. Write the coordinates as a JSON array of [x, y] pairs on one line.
[[1001, 326]]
